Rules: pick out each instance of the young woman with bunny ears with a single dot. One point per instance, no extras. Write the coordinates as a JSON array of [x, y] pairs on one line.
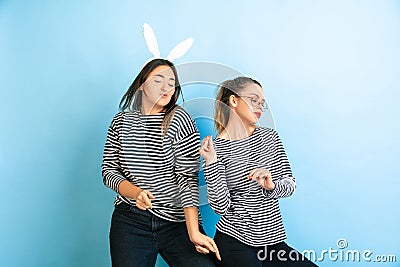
[[247, 171], [151, 160]]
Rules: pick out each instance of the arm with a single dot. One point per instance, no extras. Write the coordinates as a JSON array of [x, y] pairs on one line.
[[218, 192], [187, 162], [111, 171], [110, 168], [214, 174], [282, 177], [203, 243]]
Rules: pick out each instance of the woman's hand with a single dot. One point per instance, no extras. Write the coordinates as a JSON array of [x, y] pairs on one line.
[[143, 200], [142, 197], [204, 244], [207, 150], [263, 178]]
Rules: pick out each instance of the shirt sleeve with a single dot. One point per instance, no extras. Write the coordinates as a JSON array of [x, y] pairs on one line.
[[187, 163], [285, 183], [111, 168], [218, 192]]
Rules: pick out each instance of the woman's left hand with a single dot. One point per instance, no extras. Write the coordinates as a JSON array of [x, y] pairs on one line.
[[204, 244], [262, 177]]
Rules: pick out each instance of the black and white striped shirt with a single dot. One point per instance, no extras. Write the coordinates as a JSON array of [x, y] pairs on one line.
[[167, 166], [249, 212]]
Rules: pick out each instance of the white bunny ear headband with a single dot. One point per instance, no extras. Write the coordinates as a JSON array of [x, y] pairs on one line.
[[178, 51]]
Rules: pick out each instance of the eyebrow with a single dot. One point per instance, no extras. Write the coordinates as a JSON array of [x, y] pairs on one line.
[[162, 76], [255, 95]]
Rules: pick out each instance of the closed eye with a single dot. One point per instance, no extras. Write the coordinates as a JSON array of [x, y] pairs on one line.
[[258, 99]]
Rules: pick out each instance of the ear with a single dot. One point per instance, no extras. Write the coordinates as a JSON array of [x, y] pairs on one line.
[[180, 49], [151, 40], [233, 101]]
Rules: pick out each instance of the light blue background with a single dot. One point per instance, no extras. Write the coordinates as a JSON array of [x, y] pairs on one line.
[[330, 70]]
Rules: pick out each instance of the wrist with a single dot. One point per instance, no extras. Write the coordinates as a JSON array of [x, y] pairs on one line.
[[270, 186], [212, 160], [136, 192], [127, 189], [193, 233]]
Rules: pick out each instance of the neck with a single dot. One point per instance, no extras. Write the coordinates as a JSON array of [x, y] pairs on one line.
[[150, 109], [237, 129]]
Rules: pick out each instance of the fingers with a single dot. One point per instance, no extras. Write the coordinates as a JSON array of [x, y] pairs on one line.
[[140, 205], [259, 172], [268, 184], [150, 195], [202, 249], [210, 142], [208, 245], [216, 251], [267, 174], [203, 149], [259, 175], [146, 200], [207, 150], [206, 144], [252, 173], [143, 200]]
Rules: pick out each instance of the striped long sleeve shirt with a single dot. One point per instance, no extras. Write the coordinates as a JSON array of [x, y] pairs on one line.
[[167, 166], [249, 212]]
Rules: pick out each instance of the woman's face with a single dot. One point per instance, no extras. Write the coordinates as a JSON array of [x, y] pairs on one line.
[[248, 106], [158, 88]]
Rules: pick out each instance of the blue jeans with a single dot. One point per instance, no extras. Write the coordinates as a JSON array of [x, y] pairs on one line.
[[137, 236], [237, 254]]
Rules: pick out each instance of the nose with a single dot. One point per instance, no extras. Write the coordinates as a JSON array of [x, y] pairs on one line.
[[164, 87]]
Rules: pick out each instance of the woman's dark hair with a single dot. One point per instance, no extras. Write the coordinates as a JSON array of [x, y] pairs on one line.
[[132, 99], [226, 89]]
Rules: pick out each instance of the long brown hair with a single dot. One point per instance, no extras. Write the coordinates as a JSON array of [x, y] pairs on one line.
[[226, 89], [132, 99]]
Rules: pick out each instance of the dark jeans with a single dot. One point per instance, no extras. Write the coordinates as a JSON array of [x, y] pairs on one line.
[[137, 236], [236, 254]]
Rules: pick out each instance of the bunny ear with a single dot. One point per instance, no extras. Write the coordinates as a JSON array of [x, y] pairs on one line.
[[180, 49], [151, 40]]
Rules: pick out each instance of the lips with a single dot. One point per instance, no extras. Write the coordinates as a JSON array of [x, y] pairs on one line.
[[164, 95], [258, 114]]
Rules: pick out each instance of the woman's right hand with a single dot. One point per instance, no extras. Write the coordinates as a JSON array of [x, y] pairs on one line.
[[207, 150], [142, 197], [143, 200]]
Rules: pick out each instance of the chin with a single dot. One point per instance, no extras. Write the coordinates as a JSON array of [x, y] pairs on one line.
[[163, 102], [255, 120], [252, 122]]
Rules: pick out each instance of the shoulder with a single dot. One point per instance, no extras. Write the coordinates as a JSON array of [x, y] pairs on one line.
[[122, 117], [182, 119], [119, 116], [182, 115], [182, 124], [268, 133]]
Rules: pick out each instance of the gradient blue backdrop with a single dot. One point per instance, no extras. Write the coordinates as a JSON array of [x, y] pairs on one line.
[[330, 69]]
